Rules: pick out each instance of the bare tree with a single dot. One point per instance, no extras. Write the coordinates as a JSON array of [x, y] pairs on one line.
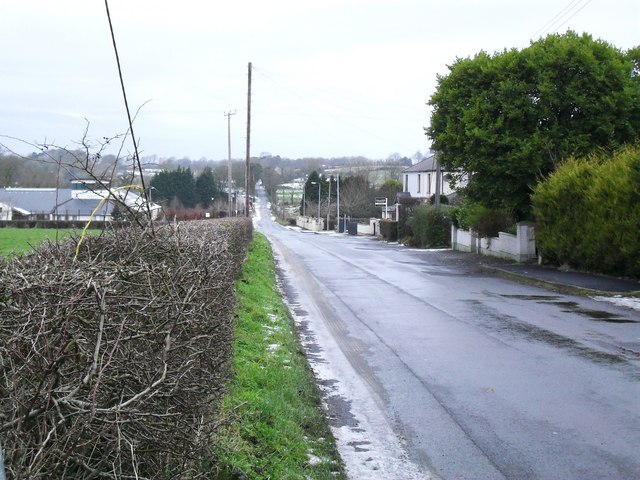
[[357, 198]]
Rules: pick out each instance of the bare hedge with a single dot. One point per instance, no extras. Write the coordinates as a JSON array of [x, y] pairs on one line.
[[112, 365]]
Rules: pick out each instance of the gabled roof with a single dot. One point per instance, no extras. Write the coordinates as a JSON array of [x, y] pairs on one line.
[[48, 200], [40, 200], [426, 165]]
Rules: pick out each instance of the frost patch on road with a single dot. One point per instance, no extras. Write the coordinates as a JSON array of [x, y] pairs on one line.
[[620, 301], [256, 213], [367, 443]]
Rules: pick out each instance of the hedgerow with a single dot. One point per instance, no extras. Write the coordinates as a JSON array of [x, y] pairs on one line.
[[485, 221], [588, 213], [112, 364], [431, 226]]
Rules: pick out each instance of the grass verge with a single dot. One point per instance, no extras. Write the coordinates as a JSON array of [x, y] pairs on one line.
[[22, 240], [277, 428]]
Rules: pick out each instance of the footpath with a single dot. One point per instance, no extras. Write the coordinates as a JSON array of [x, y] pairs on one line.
[[619, 291], [567, 280]]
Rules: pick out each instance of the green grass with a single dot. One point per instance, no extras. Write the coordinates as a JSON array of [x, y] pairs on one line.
[[22, 240], [278, 429]]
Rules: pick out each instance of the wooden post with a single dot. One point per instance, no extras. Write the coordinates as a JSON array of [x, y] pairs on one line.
[[247, 168]]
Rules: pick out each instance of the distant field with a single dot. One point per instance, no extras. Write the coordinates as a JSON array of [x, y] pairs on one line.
[[21, 240]]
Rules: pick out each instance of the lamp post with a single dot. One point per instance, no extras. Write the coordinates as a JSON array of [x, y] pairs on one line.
[[304, 199]]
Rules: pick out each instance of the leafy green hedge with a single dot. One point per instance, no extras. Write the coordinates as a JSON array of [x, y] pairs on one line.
[[588, 213], [485, 221], [431, 226]]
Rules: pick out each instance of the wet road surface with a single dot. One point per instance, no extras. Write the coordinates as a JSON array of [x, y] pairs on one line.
[[432, 370]]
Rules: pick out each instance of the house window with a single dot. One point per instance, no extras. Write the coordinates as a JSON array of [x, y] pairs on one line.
[[428, 183], [419, 179], [406, 183]]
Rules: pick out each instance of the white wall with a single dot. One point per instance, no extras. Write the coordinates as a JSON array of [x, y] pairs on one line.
[[520, 247], [310, 223]]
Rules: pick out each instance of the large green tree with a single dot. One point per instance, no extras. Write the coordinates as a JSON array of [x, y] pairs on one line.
[[510, 118], [389, 189]]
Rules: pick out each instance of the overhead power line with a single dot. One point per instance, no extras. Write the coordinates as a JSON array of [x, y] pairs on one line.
[[561, 18]]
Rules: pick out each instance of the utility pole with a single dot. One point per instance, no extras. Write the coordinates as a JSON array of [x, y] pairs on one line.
[[438, 180], [329, 205], [338, 202], [247, 168], [229, 179], [319, 191]]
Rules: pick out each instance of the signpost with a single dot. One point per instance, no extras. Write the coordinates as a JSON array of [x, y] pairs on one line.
[[382, 202]]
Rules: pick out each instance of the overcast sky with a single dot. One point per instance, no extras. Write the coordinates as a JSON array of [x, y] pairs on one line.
[[331, 78]]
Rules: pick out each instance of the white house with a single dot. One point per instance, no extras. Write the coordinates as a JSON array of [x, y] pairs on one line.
[[420, 179]]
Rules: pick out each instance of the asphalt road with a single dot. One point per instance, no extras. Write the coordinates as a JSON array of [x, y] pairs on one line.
[[432, 370]]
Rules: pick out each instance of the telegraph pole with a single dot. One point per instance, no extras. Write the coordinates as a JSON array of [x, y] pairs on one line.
[[438, 180], [329, 206], [338, 203], [247, 168], [228, 115]]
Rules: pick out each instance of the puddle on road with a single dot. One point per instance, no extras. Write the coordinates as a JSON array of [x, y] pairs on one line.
[[507, 323], [444, 273], [573, 307], [601, 316], [539, 298]]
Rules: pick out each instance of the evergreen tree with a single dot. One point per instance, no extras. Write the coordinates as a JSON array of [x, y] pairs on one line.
[[177, 184], [207, 189]]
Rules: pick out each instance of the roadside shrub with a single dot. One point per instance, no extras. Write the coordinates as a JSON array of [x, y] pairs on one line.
[[406, 209], [491, 222], [588, 213], [113, 363], [389, 230], [467, 213], [486, 222], [431, 227], [561, 206]]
